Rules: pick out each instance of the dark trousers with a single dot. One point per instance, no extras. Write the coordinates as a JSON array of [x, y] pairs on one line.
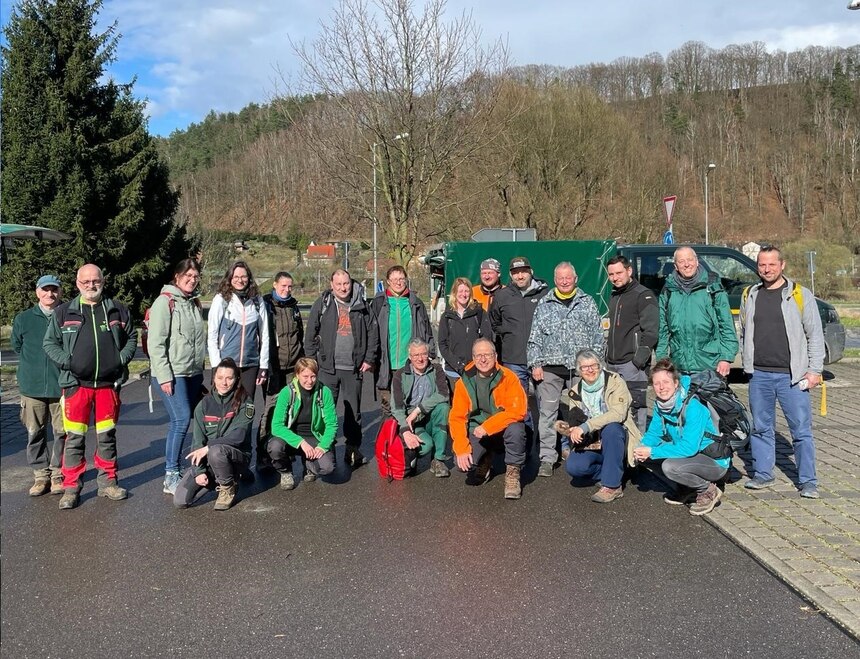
[[249, 380], [511, 441], [37, 414], [224, 465], [605, 465], [282, 455], [347, 385]]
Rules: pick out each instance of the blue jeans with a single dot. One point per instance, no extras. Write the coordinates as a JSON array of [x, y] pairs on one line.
[[524, 375], [765, 390], [605, 465], [180, 407]]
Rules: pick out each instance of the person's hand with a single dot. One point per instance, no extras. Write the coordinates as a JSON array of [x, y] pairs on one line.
[[202, 480], [262, 376], [167, 388], [537, 373], [814, 379], [576, 434], [196, 456], [723, 368], [308, 450], [480, 432], [464, 462], [410, 420], [365, 367], [642, 453], [317, 453], [411, 440]]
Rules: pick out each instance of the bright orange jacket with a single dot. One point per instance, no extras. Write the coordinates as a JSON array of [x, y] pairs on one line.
[[508, 398], [482, 297]]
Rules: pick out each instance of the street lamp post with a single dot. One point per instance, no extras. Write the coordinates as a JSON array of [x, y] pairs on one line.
[[711, 167], [399, 136]]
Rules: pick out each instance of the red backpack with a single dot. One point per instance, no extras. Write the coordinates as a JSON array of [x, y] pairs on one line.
[[394, 460]]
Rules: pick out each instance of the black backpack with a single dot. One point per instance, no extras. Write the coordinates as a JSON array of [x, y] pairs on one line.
[[729, 415]]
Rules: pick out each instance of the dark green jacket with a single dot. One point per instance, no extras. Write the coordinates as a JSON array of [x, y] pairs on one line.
[[401, 388], [696, 328], [38, 376], [216, 422], [62, 335]]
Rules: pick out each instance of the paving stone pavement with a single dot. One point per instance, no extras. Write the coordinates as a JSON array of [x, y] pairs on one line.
[[812, 545]]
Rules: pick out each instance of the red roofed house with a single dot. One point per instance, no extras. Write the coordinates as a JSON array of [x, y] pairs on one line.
[[317, 255]]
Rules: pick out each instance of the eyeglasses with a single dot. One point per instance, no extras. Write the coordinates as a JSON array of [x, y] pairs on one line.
[[418, 355], [89, 282], [484, 355], [589, 367], [240, 277], [190, 276]]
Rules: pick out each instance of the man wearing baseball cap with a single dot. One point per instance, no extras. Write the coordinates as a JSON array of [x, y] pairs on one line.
[[511, 312], [38, 382], [491, 271]]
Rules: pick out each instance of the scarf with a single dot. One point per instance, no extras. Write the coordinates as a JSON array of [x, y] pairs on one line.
[[592, 397], [687, 285]]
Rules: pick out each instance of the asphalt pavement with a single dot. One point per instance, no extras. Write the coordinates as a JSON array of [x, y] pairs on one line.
[[360, 567]]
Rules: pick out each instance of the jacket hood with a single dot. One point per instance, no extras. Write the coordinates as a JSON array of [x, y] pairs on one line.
[[175, 292], [356, 297]]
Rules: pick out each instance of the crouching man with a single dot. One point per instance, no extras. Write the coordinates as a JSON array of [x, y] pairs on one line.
[[487, 416], [420, 405]]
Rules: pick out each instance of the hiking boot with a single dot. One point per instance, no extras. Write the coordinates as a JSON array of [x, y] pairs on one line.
[[808, 491], [545, 469], [309, 477], [480, 473], [287, 481], [758, 483], [353, 457], [607, 494], [565, 453], [705, 501], [40, 487], [69, 500], [113, 491], [57, 485], [513, 489], [439, 469], [226, 495], [679, 498], [171, 480]]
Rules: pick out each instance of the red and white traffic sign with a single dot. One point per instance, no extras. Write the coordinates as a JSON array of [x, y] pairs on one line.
[[669, 204]]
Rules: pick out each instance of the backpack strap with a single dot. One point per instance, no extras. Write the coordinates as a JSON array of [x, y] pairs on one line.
[[797, 294]]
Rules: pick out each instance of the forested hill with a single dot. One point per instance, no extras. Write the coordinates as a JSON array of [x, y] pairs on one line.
[[581, 152]]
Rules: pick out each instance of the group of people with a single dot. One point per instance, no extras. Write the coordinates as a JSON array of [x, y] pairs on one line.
[[495, 341]]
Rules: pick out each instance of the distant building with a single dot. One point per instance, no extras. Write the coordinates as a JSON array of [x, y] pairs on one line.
[[320, 255]]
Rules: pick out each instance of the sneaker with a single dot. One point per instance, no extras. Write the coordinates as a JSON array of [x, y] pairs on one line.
[[113, 492], [513, 488], [40, 487], [57, 485], [678, 498], [226, 495], [607, 494], [69, 500], [353, 457], [171, 480], [480, 473], [439, 469], [309, 477], [705, 501], [287, 481], [757, 483], [545, 469], [809, 490]]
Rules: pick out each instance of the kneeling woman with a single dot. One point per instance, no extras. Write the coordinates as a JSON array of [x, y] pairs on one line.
[[596, 417], [221, 450], [304, 423], [679, 434]]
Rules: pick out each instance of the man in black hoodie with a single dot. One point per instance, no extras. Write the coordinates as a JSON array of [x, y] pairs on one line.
[[343, 337], [633, 324]]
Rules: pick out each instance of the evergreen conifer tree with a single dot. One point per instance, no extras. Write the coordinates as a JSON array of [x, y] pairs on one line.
[[77, 157]]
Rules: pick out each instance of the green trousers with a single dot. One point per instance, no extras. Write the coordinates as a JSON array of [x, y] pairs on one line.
[[432, 430]]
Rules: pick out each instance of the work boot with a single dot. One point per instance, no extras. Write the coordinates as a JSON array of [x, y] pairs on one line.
[[287, 481], [439, 469], [113, 491], [607, 494], [545, 469], [309, 477], [480, 473], [226, 495], [705, 501], [353, 457], [57, 485], [513, 489], [40, 487], [69, 500]]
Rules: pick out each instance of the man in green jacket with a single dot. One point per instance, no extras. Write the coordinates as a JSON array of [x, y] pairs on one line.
[[696, 326], [419, 403], [38, 384]]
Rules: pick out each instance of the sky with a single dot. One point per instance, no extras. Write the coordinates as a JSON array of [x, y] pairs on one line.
[[193, 56]]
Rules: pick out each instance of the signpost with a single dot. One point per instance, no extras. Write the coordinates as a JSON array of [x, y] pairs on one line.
[[669, 206]]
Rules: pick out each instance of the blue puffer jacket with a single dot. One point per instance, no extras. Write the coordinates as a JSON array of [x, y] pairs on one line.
[[668, 440]]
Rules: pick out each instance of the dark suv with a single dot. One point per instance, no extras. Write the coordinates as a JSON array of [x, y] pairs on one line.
[[653, 263]]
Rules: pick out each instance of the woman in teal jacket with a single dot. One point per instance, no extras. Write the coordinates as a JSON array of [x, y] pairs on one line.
[[678, 433], [304, 423]]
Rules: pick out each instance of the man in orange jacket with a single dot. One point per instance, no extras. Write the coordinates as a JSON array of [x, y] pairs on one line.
[[487, 416]]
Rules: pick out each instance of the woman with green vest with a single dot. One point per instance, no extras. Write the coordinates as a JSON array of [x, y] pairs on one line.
[[305, 423]]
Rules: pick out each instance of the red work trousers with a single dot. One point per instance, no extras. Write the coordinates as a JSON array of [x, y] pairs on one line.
[[79, 404]]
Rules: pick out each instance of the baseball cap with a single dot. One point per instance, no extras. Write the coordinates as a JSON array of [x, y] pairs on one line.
[[48, 280], [491, 264], [520, 262]]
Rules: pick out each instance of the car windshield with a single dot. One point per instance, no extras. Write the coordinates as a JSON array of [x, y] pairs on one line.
[[734, 275]]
